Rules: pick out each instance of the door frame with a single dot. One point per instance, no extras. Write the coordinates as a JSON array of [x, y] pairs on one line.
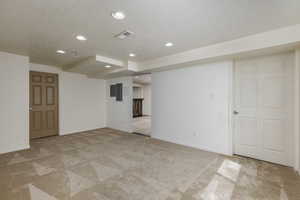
[[296, 114], [297, 109], [58, 100]]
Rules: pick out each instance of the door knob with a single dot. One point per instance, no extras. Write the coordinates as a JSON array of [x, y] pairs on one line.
[[235, 112], [30, 108]]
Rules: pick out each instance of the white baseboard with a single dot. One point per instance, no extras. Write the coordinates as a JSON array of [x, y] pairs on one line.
[[203, 148], [79, 130], [15, 149]]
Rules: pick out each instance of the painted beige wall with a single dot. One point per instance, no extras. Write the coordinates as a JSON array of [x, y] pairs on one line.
[[14, 102]]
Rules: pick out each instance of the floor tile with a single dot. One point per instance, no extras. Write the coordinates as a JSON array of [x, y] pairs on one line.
[[106, 164]]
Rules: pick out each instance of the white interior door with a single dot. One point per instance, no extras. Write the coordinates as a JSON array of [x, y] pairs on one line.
[[263, 100]]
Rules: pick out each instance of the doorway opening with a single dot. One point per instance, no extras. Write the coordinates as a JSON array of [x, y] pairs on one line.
[[141, 105]]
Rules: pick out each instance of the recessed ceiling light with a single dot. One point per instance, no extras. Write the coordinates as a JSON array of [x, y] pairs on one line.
[[81, 38], [118, 15], [132, 55], [169, 44], [60, 52], [107, 66]]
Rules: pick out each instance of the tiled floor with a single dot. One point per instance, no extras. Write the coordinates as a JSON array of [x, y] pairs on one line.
[[111, 165], [142, 125]]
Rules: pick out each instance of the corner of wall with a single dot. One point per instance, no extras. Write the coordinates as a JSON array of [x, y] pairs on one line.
[[14, 77], [297, 109], [14, 148], [119, 114], [230, 107]]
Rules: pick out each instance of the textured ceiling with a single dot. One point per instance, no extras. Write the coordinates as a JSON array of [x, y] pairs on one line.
[[38, 28]]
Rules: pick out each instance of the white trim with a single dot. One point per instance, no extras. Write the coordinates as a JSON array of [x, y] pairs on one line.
[[25, 147], [273, 41], [297, 110], [230, 108], [233, 107]]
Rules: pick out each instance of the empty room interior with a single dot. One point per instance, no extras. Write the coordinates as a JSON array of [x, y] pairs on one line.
[[150, 100]]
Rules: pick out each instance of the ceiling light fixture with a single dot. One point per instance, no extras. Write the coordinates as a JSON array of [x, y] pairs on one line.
[[107, 66], [169, 44], [132, 55], [81, 38], [60, 52], [118, 15]]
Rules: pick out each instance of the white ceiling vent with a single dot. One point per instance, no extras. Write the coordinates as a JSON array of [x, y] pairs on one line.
[[124, 34]]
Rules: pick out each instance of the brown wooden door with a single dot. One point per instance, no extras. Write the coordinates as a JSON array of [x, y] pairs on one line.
[[43, 104]]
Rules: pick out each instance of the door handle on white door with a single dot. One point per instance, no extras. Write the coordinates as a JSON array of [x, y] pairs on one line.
[[235, 112]]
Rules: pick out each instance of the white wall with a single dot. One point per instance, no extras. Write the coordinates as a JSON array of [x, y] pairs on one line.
[[14, 102], [147, 99], [82, 104], [119, 113], [138, 92], [191, 106]]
